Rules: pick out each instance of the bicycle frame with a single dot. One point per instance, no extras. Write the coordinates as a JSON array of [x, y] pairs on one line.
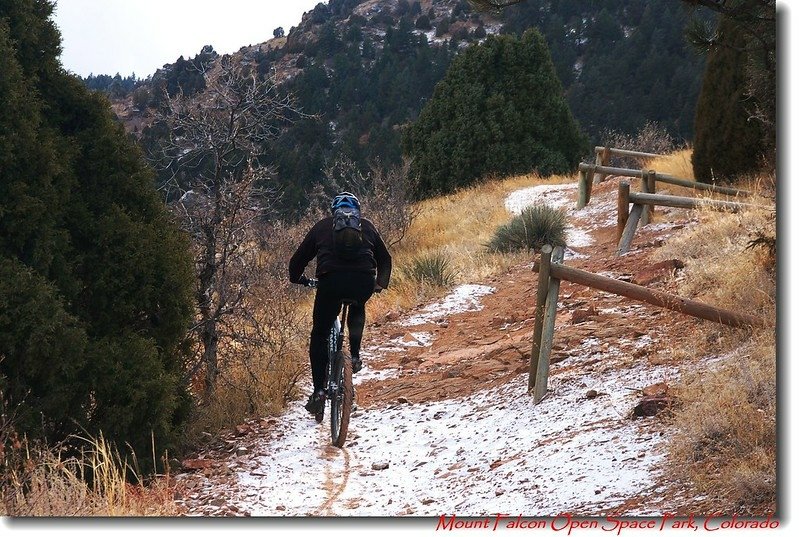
[[338, 377], [338, 385]]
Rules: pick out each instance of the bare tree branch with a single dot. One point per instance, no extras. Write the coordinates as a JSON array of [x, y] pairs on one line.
[[214, 142]]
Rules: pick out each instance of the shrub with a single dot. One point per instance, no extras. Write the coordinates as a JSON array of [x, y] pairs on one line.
[[651, 138], [431, 269], [533, 228], [385, 195], [95, 278]]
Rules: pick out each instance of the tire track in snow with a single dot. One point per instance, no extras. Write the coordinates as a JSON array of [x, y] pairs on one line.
[[334, 490]]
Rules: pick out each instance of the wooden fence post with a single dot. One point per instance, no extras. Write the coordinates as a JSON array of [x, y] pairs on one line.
[[629, 230], [540, 301], [645, 189], [547, 330], [651, 186], [602, 159], [582, 190], [623, 208]]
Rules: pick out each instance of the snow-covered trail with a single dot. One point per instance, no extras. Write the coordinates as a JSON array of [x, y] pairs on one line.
[[491, 452]]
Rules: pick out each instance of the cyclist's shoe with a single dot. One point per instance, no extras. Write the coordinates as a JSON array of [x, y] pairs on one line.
[[357, 364], [316, 403]]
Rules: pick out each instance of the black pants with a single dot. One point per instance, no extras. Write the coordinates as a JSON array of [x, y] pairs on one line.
[[332, 289]]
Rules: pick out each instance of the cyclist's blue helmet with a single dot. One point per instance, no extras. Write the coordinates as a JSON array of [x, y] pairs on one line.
[[345, 199]]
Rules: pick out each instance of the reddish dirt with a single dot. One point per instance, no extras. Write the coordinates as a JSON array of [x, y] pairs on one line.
[[476, 350]]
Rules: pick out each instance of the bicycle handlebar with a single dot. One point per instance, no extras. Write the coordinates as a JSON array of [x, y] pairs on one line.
[[309, 282], [313, 283]]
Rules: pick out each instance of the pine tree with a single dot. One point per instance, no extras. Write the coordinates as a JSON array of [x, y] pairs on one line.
[[727, 143], [499, 110], [96, 279]]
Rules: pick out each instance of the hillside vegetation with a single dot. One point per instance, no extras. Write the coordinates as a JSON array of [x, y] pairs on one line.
[[364, 71]]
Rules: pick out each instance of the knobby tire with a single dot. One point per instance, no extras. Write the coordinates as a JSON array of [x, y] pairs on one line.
[[341, 404]]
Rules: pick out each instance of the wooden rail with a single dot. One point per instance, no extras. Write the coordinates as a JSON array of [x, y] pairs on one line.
[[551, 271], [602, 150], [654, 297], [603, 155], [649, 178], [682, 202], [627, 220]]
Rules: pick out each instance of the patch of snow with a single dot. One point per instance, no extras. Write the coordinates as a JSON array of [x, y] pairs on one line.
[[571, 254], [494, 451], [463, 298], [413, 339], [598, 213], [367, 374], [578, 238], [552, 195]]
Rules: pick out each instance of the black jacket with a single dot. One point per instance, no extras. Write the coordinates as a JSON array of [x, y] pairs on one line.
[[373, 258]]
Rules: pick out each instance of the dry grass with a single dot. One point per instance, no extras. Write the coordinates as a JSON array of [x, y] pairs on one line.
[[721, 269], [725, 441], [39, 482], [458, 227], [677, 164]]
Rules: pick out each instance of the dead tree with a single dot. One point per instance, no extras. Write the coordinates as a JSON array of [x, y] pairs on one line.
[[213, 145], [386, 195]]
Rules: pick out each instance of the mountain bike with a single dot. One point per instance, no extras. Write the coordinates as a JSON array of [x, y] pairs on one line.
[[338, 386]]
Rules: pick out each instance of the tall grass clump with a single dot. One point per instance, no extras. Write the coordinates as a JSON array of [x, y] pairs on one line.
[[533, 228], [94, 480], [431, 270]]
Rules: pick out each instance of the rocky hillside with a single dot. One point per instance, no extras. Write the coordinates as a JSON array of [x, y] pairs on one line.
[[364, 70]]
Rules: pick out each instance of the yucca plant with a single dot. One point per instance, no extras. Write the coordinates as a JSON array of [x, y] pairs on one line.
[[431, 269], [536, 226]]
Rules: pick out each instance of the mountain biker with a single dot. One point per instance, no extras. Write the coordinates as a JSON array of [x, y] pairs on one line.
[[354, 274]]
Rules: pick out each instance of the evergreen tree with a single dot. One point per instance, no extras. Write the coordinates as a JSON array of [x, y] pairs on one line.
[[728, 143], [498, 110], [619, 61], [96, 280]]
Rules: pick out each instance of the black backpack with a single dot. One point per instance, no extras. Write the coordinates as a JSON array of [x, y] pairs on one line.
[[347, 234]]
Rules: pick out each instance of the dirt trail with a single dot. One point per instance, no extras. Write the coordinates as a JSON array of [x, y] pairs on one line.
[[441, 424]]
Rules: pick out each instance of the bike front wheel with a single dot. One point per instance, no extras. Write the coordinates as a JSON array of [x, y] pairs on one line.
[[341, 402]]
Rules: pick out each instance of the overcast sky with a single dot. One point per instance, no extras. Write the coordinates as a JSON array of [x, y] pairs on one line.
[[140, 36]]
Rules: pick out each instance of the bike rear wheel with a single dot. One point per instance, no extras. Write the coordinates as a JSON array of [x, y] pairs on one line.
[[341, 401]]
